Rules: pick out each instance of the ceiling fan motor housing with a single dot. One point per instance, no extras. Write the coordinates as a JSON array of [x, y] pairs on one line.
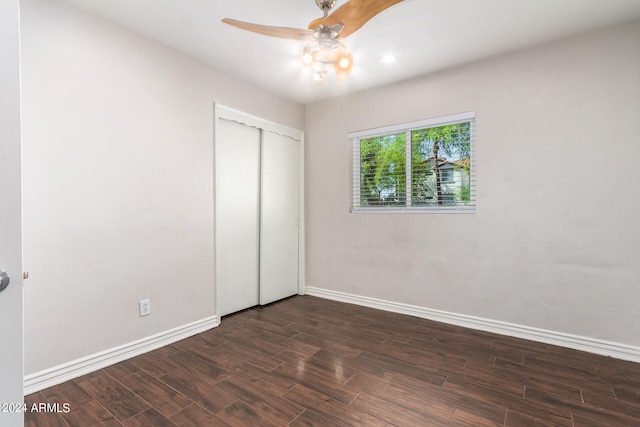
[[325, 5]]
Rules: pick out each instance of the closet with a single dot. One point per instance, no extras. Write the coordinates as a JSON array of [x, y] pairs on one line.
[[258, 207]]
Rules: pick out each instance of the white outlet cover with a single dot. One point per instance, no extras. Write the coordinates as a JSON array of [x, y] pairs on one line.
[[145, 307]]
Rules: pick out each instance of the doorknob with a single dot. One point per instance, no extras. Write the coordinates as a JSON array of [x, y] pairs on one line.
[[4, 280]]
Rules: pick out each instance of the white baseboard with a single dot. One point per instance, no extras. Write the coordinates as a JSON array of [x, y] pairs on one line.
[[592, 345], [67, 371]]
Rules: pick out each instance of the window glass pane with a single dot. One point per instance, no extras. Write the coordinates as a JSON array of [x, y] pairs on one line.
[[440, 162], [382, 171]]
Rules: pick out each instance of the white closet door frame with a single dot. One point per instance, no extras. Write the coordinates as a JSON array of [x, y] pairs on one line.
[[226, 113]]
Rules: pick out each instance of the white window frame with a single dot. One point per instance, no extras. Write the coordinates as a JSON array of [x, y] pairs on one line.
[[356, 136]]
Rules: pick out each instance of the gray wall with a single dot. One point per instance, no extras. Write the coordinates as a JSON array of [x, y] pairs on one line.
[[118, 182], [555, 242]]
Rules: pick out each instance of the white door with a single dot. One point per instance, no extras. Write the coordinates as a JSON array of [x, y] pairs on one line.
[[11, 365], [279, 217], [237, 216]]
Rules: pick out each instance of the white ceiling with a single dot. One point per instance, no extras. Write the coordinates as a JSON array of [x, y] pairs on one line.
[[424, 35]]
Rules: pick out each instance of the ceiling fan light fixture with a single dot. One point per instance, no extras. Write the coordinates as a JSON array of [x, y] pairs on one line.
[[325, 53], [307, 57]]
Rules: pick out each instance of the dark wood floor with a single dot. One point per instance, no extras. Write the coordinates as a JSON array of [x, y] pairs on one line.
[[306, 361]]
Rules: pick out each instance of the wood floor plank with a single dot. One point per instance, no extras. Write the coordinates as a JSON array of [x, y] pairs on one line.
[[265, 325], [317, 328], [150, 417], [517, 419], [153, 365], [158, 394], [540, 409], [572, 379], [327, 344], [241, 414], [91, 414], [44, 419], [465, 419], [486, 379], [396, 414], [272, 383], [463, 347], [580, 421], [370, 382], [41, 419], [289, 344], [114, 396], [327, 387], [375, 333], [67, 392], [234, 332], [311, 419], [197, 416], [512, 344], [631, 395], [618, 416], [204, 348], [122, 369], [394, 350], [509, 376], [332, 409], [331, 371], [362, 334], [164, 352], [193, 363], [252, 356], [418, 396], [432, 356], [380, 362], [279, 409], [199, 389]]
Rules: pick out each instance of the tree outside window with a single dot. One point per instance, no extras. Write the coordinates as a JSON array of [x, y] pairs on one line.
[[433, 151], [383, 171], [439, 170]]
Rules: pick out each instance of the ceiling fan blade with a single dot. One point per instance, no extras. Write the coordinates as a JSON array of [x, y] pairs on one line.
[[354, 14], [316, 22], [282, 32]]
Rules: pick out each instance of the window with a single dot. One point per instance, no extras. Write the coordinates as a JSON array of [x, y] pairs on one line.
[[424, 166], [446, 175]]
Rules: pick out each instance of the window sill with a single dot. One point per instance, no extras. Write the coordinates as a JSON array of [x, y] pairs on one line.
[[420, 210]]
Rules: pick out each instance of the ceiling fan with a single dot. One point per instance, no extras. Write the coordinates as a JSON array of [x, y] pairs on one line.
[[325, 48]]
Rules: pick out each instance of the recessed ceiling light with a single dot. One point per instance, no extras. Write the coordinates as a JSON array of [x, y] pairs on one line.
[[388, 59]]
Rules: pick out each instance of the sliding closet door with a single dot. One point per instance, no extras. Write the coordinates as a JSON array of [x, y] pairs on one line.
[[258, 207], [279, 217], [238, 216]]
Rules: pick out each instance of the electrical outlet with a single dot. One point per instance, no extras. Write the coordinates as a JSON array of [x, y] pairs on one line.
[[145, 307]]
